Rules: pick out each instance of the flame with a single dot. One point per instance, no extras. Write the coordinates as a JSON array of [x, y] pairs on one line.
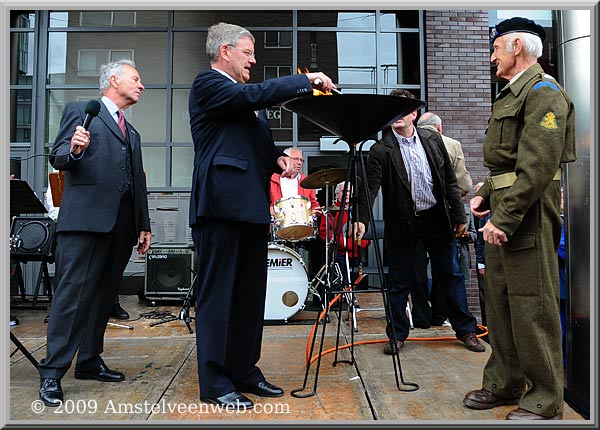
[[316, 92]]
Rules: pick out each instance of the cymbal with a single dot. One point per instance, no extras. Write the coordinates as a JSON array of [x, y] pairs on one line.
[[319, 179]]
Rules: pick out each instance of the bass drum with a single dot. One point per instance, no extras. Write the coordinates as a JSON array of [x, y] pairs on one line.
[[287, 283]]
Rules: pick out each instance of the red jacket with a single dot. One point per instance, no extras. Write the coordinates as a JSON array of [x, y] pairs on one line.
[[350, 243], [305, 192]]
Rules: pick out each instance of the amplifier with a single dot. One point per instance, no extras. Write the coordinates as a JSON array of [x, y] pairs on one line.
[[168, 272], [32, 238]]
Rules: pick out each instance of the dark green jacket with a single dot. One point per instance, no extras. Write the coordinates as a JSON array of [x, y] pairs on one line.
[[531, 132]]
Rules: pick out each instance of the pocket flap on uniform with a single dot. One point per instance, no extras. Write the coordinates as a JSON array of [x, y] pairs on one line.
[[224, 160], [505, 111], [521, 241]]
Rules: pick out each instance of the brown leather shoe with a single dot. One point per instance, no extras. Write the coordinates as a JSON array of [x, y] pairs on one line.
[[522, 414], [392, 347], [484, 399], [472, 343]]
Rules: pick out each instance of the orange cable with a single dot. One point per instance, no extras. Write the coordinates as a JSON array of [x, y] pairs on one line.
[[364, 342]]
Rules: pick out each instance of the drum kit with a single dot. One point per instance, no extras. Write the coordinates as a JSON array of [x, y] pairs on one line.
[[293, 223]]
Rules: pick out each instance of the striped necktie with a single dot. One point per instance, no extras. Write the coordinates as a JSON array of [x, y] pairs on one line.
[[122, 123]]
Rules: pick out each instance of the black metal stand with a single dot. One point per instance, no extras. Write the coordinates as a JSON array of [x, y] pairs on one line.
[[42, 278], [184, 313], [333, 285], [21, 347]]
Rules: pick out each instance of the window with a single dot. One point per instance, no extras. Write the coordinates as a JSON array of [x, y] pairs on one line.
[[278, 39], [90, 60], [107, 19], [277, 71]]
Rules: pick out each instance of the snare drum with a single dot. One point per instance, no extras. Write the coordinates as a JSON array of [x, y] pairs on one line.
[[287, 283], [293, 220]]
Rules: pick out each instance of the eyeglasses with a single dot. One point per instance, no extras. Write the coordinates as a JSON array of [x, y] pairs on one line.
[[297, 159], [246, 52]]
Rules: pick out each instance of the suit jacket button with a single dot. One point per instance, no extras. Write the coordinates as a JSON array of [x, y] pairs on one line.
[[123, 148], [120, 189]]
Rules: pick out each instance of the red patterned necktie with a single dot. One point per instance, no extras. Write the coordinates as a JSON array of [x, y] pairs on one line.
[[122, 123]]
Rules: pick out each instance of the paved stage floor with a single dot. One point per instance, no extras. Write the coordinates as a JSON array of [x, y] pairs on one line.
[[161, 382]]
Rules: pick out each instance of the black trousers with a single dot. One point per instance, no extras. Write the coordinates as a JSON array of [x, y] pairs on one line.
[[230, 303], [89, 268]]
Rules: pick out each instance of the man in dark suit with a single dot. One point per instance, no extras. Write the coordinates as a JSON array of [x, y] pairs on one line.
[[103, 213], [229, 211], [421, 204]]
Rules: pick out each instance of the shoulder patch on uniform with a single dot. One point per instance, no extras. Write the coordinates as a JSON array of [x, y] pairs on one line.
[[545, 84], [549, 121]]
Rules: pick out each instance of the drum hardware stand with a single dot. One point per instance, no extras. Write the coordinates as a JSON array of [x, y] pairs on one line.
[[322, 279], [21, 347], [184, 313], [352, 179], [42, 278]]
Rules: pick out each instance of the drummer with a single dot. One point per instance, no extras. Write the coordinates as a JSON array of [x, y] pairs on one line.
[[282, 187], [290, 187], [347, 250]]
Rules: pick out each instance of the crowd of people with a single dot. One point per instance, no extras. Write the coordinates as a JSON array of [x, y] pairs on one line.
[[420, 174]]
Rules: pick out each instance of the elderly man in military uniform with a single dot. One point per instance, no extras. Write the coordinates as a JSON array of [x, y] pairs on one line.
[[530, 133]]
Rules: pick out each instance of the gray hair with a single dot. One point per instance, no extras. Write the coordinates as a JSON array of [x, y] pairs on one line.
[[114, 68], [224, 34], [532, 44], [429, 118], [288, 151], [340, 187]]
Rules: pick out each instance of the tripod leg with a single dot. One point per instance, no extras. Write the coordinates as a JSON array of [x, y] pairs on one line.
[[24, 350], [384, 290], [47, 284], [38, 284], [298, 392], [20, 281]]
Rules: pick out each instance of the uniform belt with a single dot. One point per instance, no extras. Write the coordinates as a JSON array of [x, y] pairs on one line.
[[506, 180]]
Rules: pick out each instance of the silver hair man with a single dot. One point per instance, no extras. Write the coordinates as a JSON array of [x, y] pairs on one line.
[[114, 68], [224, 34], [532, 44], [430, 119]]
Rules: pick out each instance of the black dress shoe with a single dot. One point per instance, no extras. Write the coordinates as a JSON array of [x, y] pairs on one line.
[[51, 392], [118, 312], [421, 325], [263, 389], [230, 400], [100, 373]]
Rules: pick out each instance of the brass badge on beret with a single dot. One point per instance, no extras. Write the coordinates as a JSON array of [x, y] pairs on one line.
[[549, 121]]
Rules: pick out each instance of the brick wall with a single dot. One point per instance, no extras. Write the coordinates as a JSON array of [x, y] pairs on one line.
[[458, 89]]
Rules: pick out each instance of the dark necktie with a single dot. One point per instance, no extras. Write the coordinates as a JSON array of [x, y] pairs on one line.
[[122, 123]]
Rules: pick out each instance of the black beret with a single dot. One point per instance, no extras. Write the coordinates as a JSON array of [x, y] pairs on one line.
[[517, 25]]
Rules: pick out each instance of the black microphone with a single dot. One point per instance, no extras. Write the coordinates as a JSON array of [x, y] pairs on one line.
[[92, 108]]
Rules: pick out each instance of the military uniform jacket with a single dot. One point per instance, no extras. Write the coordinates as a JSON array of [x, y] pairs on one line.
[[531, 132], [385, 169]]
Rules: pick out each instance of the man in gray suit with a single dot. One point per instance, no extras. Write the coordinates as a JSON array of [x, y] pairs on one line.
[[104, 212]]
